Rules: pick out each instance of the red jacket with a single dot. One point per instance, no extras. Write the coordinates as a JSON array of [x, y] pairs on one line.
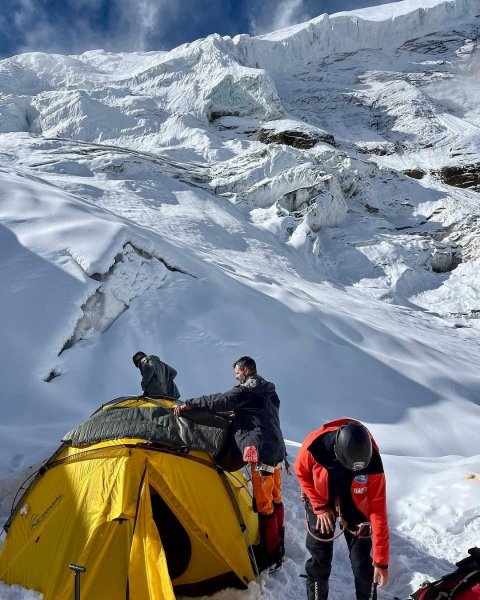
[[368, 490]]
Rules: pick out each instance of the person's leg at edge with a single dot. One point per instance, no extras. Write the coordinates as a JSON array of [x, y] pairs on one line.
[[319, 565], [362, 567], [278, 508]]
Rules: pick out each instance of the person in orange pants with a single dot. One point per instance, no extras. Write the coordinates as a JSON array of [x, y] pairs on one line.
[[255, 405], [267, 493]]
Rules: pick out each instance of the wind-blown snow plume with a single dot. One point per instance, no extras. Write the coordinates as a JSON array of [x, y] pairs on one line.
[[285, 13], [149, 15]]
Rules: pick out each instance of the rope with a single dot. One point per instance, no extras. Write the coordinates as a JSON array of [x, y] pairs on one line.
[[322, 539], [359, 532]]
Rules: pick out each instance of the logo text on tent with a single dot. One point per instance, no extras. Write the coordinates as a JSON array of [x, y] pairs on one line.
[[37, 520]]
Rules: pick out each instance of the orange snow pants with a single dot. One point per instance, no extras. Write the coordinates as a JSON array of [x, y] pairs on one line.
[[267, 490]]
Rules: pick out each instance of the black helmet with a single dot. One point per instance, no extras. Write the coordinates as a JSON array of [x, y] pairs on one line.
[[137, 357], [353, 446]]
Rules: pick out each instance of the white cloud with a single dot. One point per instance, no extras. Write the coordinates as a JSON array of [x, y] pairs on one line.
[[83, 25], [29, 21]]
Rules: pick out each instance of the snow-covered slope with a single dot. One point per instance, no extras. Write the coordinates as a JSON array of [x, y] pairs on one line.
[[309, 197]]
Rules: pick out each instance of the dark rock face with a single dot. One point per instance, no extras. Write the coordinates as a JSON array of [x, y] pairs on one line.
[[462, 176], [297, 139], [414, 173], [377, 150]]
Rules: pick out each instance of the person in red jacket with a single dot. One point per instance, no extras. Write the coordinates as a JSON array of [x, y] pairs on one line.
[[341, 475]]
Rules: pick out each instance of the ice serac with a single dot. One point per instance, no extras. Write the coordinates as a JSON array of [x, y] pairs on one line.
[[140, 107], [283, 50], [37, 72], [205, 78], [14, 113]]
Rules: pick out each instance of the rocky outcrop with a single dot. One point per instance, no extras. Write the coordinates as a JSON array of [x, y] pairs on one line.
[[461, 176], [414, 173], [295, 133], [294, 137]]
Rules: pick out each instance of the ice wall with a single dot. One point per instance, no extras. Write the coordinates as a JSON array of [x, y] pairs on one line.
[[384, 26]]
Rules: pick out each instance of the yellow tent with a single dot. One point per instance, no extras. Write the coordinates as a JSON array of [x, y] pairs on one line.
[[148, 521]]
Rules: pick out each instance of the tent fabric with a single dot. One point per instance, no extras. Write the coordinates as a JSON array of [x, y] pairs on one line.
[[93, 506], [148, 561], [154, 422]]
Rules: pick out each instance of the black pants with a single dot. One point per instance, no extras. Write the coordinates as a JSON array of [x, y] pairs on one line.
[[318, 567]]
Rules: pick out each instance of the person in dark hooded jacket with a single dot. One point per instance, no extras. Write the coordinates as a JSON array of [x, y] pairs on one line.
[[157, 376], [255, 407]]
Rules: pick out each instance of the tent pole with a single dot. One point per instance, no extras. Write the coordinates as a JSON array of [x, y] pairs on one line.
[[78, 570]]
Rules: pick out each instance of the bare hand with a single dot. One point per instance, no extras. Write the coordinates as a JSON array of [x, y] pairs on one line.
[[326, 522], [180, 408], [380, 576]]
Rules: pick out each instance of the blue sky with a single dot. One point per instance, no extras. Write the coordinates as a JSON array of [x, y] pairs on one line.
[[73, 26]]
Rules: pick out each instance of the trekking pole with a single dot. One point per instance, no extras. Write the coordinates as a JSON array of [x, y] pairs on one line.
[[78, 570], [256, 570], [373, 591]]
